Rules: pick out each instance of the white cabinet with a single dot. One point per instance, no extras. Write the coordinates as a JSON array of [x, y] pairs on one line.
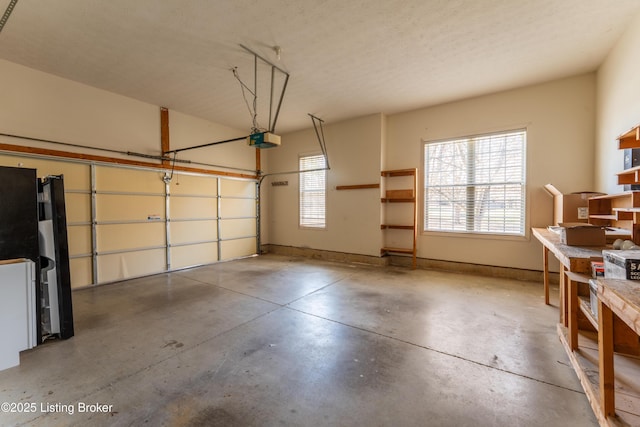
[[17, 310]]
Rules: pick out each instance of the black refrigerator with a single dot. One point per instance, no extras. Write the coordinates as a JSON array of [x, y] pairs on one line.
[[25, 204]]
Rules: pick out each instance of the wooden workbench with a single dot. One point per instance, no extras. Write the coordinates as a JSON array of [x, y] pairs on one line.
[[614, 395], [575, 259], [621, 299]]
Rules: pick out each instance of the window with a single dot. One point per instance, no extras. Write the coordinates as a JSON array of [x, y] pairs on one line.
[[476, 184], [312, 191]]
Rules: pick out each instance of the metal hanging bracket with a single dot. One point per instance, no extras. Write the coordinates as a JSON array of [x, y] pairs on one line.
[[273, 116], [317, 126]]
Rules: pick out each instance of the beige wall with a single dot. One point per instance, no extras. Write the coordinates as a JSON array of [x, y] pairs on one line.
[[353, 216], [618, 106], [40, 105], [559, 117], [130, 230], [188, 131]]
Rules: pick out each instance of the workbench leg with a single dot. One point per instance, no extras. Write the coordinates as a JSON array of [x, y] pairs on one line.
[[545, 273], [573, 314], [605, 349]]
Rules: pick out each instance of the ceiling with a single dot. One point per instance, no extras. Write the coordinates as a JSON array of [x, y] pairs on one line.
[[345, 58]]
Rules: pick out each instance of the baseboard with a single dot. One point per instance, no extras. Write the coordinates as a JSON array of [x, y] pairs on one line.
[[325, 255], [403, 261]]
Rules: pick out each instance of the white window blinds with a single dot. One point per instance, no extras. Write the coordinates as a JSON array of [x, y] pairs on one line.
[[312, 191], [476, 184]]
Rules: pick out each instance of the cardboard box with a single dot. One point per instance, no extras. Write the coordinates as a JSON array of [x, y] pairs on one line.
[[577, 234], [572, 207], [622, 264]]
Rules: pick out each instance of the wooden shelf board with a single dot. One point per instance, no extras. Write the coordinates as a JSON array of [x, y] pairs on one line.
[[578, 277], [357, 186], [399, 172], [629, 170], [622, 195], [630, 139], [628, 177], [625, 216], [618, 232], [585, 363], [628, 143], [400, 194], [598, 216]]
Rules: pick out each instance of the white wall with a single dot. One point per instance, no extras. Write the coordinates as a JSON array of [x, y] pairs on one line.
[[559, 117], [618, 81], [129, 241], [189, 131], [353, 216], [40, 105]]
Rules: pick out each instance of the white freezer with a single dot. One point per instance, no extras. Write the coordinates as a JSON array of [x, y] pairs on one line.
[[17, 310]]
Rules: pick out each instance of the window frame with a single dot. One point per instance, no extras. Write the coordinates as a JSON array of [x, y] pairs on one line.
[[524, 234], [323, 170]]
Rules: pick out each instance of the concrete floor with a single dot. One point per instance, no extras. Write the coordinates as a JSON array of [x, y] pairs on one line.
[[276, 340]]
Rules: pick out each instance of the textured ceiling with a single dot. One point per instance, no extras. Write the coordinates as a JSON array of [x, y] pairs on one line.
[[346, 58]]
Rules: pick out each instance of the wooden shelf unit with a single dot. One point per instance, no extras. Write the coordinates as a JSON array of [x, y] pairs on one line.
[[626, 141], [630, 139], [620, 210], [404, 195]]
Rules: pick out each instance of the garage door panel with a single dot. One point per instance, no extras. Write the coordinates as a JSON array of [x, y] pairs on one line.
[[117, 237], [183, 184], [113, 267], [237, 208], [119, 207], [237, 188], [193, 231], [192, 255], [237, 248], [193, 207]]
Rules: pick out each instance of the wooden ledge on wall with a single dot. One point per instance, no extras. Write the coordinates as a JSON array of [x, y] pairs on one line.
[[357, 186]]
